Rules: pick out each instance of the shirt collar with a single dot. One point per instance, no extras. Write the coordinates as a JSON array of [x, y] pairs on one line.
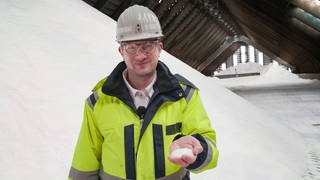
[[148, 91]]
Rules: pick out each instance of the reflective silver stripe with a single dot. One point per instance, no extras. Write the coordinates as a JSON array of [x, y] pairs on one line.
[[208, 158], [188, 90], [175, 176], [92, 99], [212, 142], [105, 176], [80, 175], [189, 95], [75, 174]]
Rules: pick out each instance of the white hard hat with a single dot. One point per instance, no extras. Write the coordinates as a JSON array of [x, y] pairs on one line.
[[137, 23]]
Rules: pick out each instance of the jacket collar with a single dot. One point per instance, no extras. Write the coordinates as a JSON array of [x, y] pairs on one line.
[[115, 85]]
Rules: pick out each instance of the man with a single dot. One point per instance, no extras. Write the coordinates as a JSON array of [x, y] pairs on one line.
[[140, 116]]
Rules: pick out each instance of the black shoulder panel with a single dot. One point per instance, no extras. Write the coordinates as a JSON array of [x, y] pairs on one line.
[[185, 81], [187, 86]]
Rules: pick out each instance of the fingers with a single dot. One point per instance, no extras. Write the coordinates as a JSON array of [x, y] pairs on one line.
[[185, 142], [178, 145], [184, 161], [178, 161], [197, 149], [189, 159]]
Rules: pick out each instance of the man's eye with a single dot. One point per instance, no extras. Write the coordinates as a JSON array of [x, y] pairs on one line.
[[147, 46], [131, 47]]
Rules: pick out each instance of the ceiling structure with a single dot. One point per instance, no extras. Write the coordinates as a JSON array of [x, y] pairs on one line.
[[204, 33]]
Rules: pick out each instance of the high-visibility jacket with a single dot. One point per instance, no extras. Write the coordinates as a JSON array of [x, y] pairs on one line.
[[117, 142]]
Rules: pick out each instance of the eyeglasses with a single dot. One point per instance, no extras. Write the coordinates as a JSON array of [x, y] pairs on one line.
[[145, 47]]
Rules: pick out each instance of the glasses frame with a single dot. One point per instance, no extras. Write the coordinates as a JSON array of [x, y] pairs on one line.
[[142, 47]]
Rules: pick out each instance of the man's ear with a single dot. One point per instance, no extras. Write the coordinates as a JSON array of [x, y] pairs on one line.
[[120, 50], [161, 45]]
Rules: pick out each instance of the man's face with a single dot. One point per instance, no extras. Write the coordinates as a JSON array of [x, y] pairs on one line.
[[141, 57]]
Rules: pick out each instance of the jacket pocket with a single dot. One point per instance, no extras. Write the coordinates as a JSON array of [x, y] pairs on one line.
[[173, 129]]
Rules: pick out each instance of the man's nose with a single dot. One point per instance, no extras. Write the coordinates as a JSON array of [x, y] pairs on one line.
[[140, 54]]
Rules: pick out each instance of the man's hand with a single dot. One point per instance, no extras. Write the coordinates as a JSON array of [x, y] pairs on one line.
[[185, 142]]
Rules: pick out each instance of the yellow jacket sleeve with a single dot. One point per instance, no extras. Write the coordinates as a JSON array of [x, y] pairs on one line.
[[87, 155], [197, 123]]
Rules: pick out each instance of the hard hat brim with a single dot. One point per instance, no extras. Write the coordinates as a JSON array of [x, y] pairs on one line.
[[140, 36]]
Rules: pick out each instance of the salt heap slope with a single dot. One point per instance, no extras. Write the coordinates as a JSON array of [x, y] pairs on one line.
[[271, 75], [51, 56]]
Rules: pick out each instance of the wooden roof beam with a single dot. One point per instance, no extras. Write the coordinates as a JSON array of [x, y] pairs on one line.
[[178, 21], [194, 16], [204, 44], [198, 39], [186, 37], [228, 42], [218, 38]]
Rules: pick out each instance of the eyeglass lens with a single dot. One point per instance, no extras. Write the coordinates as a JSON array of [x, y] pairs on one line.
[[146, 47]]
